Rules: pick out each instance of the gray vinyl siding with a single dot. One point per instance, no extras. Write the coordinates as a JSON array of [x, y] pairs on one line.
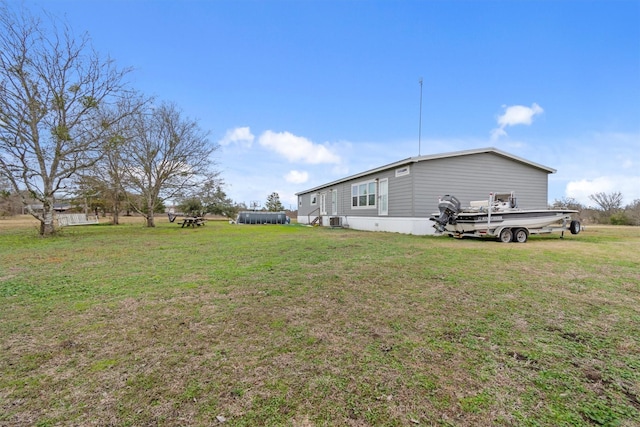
[[474, 177], [468, 177], [401, 196], [344, 195], [304, 204]]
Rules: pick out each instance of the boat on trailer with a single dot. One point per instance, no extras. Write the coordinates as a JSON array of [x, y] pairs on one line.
[[499, 217]]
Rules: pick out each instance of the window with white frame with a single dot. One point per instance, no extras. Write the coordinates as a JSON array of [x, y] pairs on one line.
[[363, 195], [314, 199]]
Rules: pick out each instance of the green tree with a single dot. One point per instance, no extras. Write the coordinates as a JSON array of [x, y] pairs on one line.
[[619, 218], [209, 198], [218, 203], [273, 203], [191, 207]]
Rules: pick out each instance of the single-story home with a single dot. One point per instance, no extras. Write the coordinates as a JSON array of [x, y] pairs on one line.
[[401, 196], [58, 207]]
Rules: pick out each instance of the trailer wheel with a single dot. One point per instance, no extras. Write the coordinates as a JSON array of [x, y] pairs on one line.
[[506, 235], [520, 235], [574, 227]]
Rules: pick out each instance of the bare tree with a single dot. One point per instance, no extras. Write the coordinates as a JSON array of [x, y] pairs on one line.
[[53, 91], [106, 176], [608, 202], [109, 173], [567, 203], [165, 155]]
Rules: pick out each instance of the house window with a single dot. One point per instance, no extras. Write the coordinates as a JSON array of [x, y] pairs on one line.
[[363, 195], [403, 171], [314, 199]]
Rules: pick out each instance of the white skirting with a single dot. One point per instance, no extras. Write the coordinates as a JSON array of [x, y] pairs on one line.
[[416, 226]]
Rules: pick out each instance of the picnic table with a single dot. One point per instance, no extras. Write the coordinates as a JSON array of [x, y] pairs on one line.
[[192, 221]]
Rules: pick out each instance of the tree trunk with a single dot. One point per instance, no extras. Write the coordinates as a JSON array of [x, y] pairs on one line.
[[46, 222], [46, 229], [151, 204], [115, 206]]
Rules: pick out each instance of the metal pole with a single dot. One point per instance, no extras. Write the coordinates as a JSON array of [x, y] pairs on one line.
[[420, 121]]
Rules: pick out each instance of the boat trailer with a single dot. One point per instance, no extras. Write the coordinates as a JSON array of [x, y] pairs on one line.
[[500, 218]]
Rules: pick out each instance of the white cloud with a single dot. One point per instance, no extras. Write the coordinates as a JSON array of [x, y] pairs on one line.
[[239, 135], [297, 177], [297, 148], [497, 133], [580, 190], [515, 115], [519, 115]]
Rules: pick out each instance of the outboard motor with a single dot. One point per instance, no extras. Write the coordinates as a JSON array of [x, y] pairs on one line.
[[449, 207]]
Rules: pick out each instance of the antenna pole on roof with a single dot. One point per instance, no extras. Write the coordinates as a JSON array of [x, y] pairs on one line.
[[420, 121]]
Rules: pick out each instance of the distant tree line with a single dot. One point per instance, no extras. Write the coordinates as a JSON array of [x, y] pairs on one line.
[[73, 130], [608, 209]]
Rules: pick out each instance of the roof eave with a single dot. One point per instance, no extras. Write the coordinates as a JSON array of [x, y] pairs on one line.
[[432, 157]]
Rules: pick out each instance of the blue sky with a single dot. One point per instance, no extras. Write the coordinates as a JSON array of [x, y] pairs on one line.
[[299, 93]]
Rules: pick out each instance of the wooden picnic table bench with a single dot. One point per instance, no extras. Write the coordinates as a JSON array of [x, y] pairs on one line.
[[192, 221]]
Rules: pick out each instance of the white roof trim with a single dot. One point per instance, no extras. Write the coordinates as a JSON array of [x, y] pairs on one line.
[[431, 157]]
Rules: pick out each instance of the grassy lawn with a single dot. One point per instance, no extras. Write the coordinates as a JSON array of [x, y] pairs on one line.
[[290, 325]]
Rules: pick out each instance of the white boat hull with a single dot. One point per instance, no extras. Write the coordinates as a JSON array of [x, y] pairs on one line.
[[489, 224]]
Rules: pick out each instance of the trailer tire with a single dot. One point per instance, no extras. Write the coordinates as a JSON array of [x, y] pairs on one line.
[[574, 227], [506, 235], [520, 235]]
